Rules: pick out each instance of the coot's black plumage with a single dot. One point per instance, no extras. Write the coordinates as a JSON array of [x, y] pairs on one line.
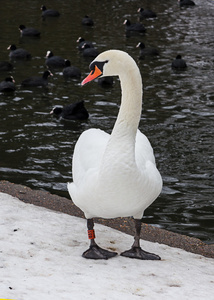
[[71, 71], [81, 41], [186, 3], [135, 27], [146, 51], [75, 111], [49, 12], [7, 85], [146, 13], [53, 61], [179, 63], [87, 21], [5, 66], [29, 31], [88, 51], [18, 54], [106, 81], [36, 80]]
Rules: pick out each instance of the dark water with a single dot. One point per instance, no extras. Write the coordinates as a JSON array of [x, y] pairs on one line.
[[178, 110]]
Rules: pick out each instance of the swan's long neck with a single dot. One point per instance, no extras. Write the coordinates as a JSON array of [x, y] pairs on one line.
[[131, 102], [122, 140]]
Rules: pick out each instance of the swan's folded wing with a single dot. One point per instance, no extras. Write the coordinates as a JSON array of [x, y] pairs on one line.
[[143, 150], [88, 152]]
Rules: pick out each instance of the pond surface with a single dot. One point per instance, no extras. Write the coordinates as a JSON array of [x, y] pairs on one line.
[[178, 107]]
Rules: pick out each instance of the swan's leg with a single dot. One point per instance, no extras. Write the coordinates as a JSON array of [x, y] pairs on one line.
[[94, 251], [136, 251]]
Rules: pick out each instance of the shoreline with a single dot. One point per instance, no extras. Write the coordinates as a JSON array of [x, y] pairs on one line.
[[126, 225]]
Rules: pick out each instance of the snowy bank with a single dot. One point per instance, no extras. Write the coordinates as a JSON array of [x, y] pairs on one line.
[[41, 251]]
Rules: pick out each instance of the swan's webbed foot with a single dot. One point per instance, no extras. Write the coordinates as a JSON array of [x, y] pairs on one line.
[[138, 253], [95, 252]]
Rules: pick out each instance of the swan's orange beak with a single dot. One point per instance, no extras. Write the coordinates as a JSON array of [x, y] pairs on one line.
[[93, 74]]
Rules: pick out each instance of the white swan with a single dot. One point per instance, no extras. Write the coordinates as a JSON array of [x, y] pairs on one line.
[[115, 175]]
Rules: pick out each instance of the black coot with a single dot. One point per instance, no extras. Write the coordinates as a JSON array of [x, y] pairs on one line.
[[186, 3], [7, 85], [71, 71], [179, 63], [146, 13], [75, 111], [54, 62], [106, 82], [135, 27], [88, 51], [49, 12], [29, 31], [36, 80], [81, 41], [18, 54], [146, 51], [87, 21]]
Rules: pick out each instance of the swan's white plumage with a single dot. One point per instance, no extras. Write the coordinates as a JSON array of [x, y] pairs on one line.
[[115, 175]]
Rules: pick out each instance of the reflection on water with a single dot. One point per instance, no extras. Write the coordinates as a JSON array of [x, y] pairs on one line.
[[178, 109]]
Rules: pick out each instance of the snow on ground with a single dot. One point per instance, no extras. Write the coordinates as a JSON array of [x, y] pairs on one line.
[[40, 258]]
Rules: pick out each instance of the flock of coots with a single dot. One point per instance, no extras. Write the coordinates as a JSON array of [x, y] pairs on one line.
[[76, 110]]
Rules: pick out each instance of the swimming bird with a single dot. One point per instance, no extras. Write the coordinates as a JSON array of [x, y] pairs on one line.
[[29, 31], [114, 175], [87, 21], [135, 27], [146, 13], [146, 51], [81, 41], [88, 51], [186, 2], [49, 12], [53, 61], [71, 71], [179, 63], [74, 111], [37, 80], [18, 54], [7, 85], [106, 81]]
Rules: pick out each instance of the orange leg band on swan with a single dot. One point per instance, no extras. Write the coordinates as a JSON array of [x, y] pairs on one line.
[[91, 234]]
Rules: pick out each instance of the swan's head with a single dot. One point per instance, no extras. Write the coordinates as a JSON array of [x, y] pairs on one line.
[[109, 63]]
